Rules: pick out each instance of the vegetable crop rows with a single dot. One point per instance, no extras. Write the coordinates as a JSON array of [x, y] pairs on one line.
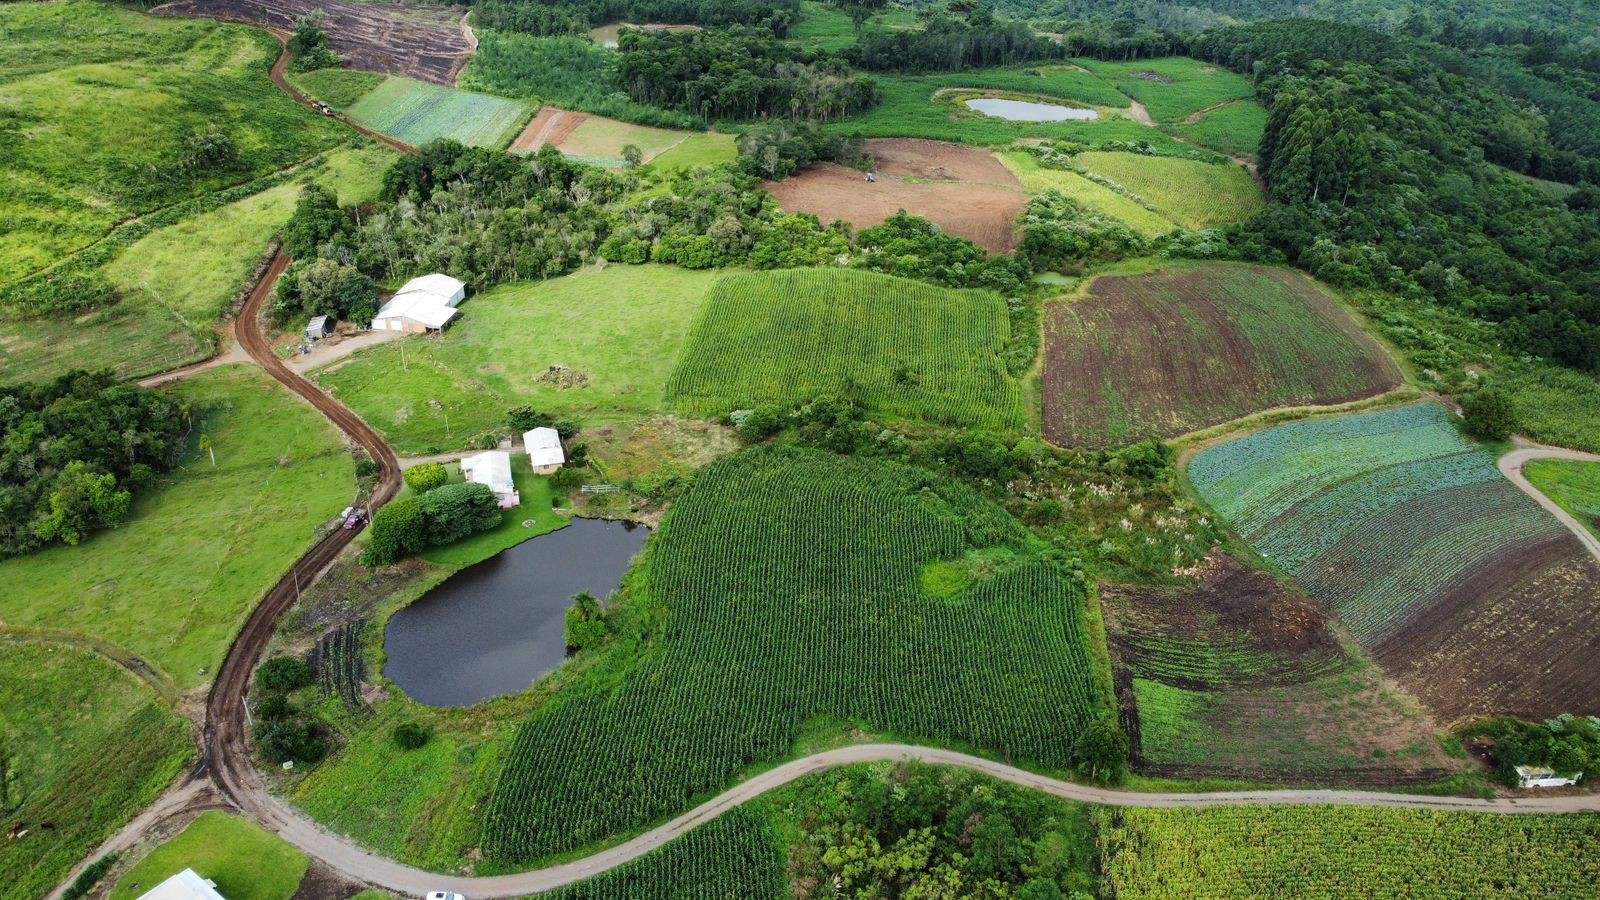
[[908, 350], [786, 591], [1316, 852], [417, 112], [733, 857]]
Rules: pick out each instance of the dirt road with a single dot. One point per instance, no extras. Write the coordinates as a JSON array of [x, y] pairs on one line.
[[281, 65], [1511, 466]]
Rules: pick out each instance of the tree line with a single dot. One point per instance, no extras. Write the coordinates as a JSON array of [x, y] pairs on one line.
[[562, 17]]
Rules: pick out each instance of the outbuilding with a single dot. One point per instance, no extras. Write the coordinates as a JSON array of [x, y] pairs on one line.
[[318, 327], [1541, 777], [186, 885], [423, 304], [492, 468], [544, 450]]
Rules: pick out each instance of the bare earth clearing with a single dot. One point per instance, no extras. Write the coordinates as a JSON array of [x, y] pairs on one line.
[[422, 42], [964, 190], [550, 126]]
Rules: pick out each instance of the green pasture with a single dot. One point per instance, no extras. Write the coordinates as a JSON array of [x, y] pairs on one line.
[[175, 581], [339, 88], [110, 101], [829, 27], [908, 350], [417, 112], [1190, 192], [1174, 87], [709, 149], [246, 861], [85, 747], [620, 328], [1235, 129], [1037, 179], [1573, 485], [599, 140]]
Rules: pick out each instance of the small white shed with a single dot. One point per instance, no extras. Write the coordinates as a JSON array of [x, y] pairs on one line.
[[492, 468], [186, 885], [544, 450], [1541, 777], [318, 327]]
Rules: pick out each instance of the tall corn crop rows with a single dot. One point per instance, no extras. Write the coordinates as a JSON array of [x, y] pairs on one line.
[[788, 585], [734, 857]]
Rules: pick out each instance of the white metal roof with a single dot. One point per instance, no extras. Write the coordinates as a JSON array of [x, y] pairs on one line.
[[492, 468], [449, 289], [186, 885], [544, 447], [418, 306]]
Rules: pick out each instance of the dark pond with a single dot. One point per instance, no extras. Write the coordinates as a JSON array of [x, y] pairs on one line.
[[496, 627]]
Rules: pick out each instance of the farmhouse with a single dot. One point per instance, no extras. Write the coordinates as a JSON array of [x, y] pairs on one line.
[[1539, 777], [186, 885], [544, 450], [492, 469], [423, 304]]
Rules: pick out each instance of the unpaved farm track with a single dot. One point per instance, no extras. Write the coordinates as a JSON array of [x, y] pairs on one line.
[[1511, 466], [281, 65]]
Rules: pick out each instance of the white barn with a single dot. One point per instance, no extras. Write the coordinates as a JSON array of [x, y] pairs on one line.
[[492, 468], [423, 304], [1540, 777], [544, 450], [186, 885]]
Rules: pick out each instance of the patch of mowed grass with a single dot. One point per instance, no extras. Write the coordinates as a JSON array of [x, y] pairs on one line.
[[339, 88], [1185, 85], [908, 107], [417, 112], [620, 328], [107, 121], [86, 747], [175, 581], [696, 150], [1573, 485], [536, 508], [1193, 193], [1235, 129], [602, 138], [246, 861], [177, 280], [1037, 179], [907, 350]]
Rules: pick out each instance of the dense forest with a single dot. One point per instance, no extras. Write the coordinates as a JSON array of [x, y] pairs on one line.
[[73, 451], [562, 17], [948, 42]]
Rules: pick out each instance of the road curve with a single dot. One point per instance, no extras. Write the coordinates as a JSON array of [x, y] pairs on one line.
[[1511, 466]]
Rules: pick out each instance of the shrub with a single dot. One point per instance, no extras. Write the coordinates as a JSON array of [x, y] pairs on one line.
[[398, 530], [89, 877], [283, 674], [409, 736], [456, 510], [427, 476], [586, 623], [289, 739], [272, 707], [1101, 752], [366, 468], [1489, 414]]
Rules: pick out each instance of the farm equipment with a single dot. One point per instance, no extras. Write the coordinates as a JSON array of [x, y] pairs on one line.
[[323, 108]]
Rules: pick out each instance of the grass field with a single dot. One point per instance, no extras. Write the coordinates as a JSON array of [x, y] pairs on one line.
[[73, 78], [1235, 129], [246, 861], [1173, 88], [601, 140], [178, 280], [908, 350], [1190, 346], [621, 328], [1192, 193], [786, 586], [710, 149], [85, 746], [339, 88], [174, 582], [417, 112], [1328, 852], [1037, 179], [1575, 486], [829, 28], [1410, 534]]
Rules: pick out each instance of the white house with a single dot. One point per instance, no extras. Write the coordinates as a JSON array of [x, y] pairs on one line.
[[1539, 777], [186, 885], [544, 450], [426, 303], [492, 468]]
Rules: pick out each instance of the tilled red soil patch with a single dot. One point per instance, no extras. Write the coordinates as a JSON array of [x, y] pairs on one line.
[[975, 196], [1516, 636], [422, 42], [551, 126]]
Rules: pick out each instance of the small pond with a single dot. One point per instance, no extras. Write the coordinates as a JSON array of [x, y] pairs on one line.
[[1023, 111], [496, 627]]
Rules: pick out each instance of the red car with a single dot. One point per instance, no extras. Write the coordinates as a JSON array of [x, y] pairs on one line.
[[355, 518]]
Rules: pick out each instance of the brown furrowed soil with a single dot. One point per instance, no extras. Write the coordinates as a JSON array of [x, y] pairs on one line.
[[1236, 677], [964, 190], [1191, 346], [1514, 636], [551, 126], [422, 42]]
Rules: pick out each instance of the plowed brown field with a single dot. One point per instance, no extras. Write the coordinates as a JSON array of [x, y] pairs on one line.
[[964, 190], [1191, 346], [422, 42]]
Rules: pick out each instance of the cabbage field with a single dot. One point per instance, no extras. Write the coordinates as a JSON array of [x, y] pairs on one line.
[[1408, 532], [786, 589], [1336, 852], [907, 350], [417, 112]]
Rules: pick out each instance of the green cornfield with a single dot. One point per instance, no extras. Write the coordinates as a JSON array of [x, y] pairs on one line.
[[908, 350], [785, 590], [733, 857], [1315, 852]]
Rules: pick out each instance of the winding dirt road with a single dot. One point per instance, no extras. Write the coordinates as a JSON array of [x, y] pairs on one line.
[[1511, 466]]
